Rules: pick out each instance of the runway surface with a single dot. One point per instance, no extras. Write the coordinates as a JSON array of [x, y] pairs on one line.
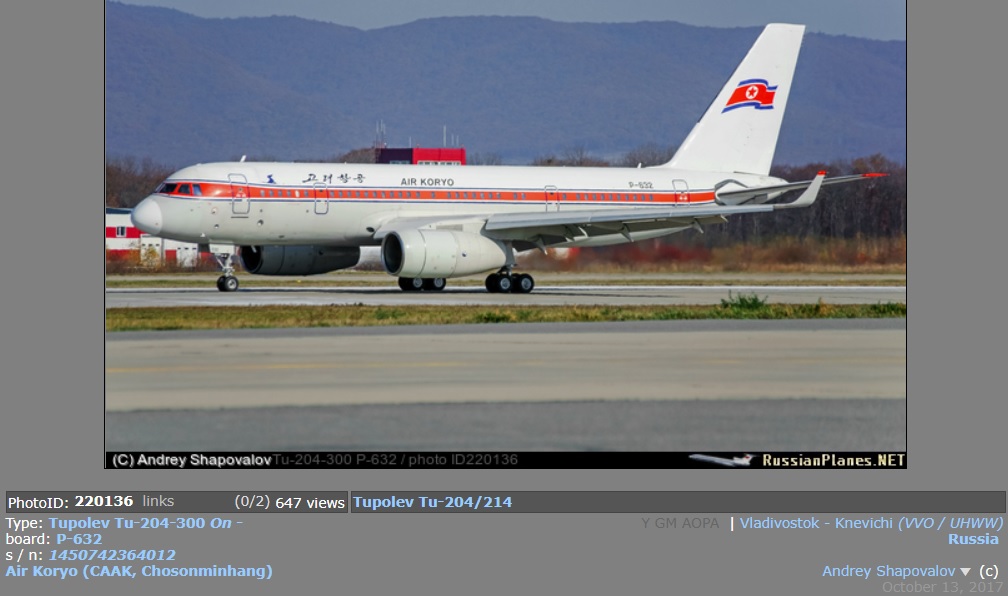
[[710, 385], [615, 295]]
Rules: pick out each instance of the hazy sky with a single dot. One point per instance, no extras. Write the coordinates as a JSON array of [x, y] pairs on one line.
[[876, 19]]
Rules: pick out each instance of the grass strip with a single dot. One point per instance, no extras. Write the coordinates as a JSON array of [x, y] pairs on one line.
[[258, 317], [206, 283]]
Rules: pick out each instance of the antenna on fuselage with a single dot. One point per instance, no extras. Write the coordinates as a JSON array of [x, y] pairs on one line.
[[242, 160]]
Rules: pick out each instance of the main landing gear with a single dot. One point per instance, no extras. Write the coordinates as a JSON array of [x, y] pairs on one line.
[[415, 284], [504, 282], [227, 282]]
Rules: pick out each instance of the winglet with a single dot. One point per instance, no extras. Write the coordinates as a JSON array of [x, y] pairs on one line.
[[809, 196]]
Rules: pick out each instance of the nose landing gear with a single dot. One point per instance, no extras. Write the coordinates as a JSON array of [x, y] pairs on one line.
[[227, 282]]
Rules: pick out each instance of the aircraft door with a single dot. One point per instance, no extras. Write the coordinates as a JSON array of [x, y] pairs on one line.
[[552, 203], [321, 198], [680, 190], [239, 194]]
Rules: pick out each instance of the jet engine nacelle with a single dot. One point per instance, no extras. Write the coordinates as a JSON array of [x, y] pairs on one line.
[[297, 260], [440, 253]]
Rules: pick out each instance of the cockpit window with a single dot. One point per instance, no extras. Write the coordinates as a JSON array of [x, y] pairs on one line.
[[196, 190], [167, 188], [185, 189]]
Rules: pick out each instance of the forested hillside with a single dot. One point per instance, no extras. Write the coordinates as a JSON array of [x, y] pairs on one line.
[[182, 89]]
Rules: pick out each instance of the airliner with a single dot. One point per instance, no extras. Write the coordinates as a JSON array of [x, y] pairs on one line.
[[735, 462], [438, 222]]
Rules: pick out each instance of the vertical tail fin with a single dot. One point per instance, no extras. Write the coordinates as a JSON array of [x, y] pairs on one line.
[[738, 133]]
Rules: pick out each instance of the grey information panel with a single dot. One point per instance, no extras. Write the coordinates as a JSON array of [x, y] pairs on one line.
[[681, 502], [177, 502], [508, 502], [613, 542]]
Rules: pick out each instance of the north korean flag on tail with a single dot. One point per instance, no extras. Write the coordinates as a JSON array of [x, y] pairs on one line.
[[755, 93]]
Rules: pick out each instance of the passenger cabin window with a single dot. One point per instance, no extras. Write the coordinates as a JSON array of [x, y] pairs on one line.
[[120, 231]]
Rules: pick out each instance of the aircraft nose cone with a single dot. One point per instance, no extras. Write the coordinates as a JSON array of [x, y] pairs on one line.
[[147, 216]]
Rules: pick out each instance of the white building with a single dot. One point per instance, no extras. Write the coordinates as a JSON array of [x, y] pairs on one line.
[[124, 241]]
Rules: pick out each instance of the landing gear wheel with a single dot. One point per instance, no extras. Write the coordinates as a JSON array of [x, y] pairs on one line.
[[227, 283], [523, 283], [491, 283], [411, 284], [504, 283], [435, 284]]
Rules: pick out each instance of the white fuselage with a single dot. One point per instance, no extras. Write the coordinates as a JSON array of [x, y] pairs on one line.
[[334, 204]]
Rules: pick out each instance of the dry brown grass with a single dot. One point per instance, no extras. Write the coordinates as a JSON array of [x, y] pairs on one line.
[[117, 263], [781, 255], [247, 317]]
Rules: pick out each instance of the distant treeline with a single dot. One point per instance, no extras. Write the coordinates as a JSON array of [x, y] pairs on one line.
[[875, 208]]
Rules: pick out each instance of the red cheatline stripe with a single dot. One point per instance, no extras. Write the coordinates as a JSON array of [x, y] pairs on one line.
[[211, 190]]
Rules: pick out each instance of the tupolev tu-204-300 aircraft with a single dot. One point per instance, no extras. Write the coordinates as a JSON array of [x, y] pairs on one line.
[[735, 462], [440, 222]]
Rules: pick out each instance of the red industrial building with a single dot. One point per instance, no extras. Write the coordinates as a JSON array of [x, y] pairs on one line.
[[124, 242], [445, 156]]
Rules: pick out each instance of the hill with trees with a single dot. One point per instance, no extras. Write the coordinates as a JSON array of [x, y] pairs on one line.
[[182, 89]]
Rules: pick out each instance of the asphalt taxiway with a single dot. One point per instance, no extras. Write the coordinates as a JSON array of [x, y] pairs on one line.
[[713, 385], [614, 295]]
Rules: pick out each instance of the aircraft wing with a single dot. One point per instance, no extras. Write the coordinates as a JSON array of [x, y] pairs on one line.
[[558, 225], [548, 228], [612, 219], [396, 223], [635, 222]]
